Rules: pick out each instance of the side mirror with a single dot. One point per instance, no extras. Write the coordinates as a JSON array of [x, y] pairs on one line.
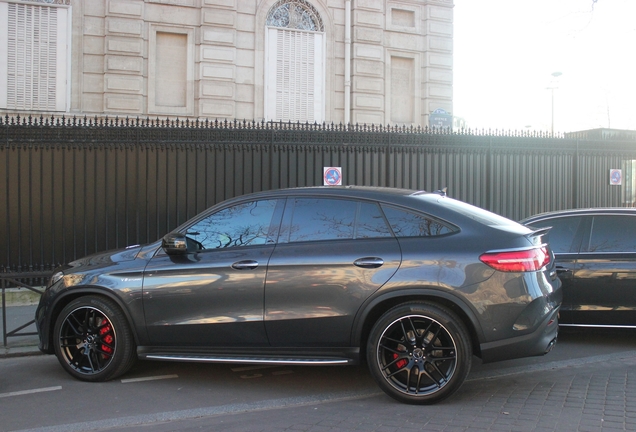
[[175, 244]]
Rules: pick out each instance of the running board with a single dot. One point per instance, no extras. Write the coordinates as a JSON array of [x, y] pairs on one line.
[[248, 360]]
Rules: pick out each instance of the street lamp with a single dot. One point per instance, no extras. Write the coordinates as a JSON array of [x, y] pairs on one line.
[[554, 85]]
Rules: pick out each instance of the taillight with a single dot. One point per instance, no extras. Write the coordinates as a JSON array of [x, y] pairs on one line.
[[517, 260]]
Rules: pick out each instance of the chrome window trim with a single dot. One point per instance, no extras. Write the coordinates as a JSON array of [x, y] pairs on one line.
[[599, 325], [603, 253], [582, 213]]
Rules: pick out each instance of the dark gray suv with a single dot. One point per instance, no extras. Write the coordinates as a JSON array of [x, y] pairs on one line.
[[413, 282]]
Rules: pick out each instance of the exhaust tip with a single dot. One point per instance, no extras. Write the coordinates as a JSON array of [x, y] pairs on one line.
[[550, 346]]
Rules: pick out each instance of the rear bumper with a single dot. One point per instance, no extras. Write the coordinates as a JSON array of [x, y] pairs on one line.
[[537, 343]]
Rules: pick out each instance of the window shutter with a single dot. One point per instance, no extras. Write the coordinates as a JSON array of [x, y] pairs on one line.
[[295, 78], [295, 82], [35, 75]]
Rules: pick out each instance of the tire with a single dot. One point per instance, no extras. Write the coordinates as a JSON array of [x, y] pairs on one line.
[[419, 353], [92, 339]]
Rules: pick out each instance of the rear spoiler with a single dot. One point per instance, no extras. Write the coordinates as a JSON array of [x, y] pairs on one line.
[[537, 237]]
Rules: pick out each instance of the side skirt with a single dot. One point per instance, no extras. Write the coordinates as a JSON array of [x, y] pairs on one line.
[[286, 357]]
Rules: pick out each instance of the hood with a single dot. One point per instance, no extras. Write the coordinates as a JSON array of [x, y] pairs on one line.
[[128, 253]]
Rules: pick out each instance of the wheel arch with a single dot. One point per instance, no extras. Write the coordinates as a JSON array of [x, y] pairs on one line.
[[67, 297], [372, 311]]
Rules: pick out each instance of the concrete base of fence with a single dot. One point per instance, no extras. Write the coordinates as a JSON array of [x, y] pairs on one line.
[[21, 296], [20, 351]]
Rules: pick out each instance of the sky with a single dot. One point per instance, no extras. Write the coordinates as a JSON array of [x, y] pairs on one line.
[[506, 52]]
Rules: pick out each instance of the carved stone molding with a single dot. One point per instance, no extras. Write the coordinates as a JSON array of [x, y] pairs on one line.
[[295, 14]]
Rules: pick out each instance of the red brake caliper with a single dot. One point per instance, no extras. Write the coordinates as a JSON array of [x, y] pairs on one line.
[[108, 339], [401, 363]]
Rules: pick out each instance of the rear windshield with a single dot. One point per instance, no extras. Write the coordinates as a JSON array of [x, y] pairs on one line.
[[480, 215]]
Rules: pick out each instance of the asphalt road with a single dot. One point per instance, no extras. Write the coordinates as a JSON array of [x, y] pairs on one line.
[[35, 393]]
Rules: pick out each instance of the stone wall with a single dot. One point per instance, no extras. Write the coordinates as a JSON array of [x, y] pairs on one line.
[[205, 58]]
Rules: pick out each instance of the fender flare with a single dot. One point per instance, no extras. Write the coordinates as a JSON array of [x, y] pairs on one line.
[[79, 291], [415, 294]]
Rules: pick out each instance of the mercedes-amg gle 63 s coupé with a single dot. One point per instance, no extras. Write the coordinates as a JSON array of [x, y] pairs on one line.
[[412, 283]]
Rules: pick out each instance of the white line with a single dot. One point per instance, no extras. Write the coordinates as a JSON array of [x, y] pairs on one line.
[[152, 378], [26, 392]]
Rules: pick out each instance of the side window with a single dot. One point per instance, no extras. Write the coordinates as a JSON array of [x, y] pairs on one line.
[[408, 224], [371, 223], [613, 234], [245, 224], [322, 219], [562, 233]]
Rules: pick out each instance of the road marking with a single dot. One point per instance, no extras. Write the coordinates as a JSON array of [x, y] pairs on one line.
[[152, 378], [26, 392]]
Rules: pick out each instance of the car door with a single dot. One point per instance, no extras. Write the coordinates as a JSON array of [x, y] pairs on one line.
[[565, 238], [332, 254], [605, 275], [213, 296]]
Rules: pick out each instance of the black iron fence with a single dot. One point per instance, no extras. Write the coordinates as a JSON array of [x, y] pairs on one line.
[[70, 187], [31, 281]]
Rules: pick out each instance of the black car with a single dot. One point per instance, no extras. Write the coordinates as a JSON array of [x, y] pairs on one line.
[[595, 253], [414, 282]]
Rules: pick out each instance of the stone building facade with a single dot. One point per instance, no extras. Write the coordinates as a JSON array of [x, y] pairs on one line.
[[340, 61]]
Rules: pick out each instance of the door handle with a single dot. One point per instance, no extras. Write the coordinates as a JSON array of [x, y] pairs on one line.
[[369, 262], [564, 273], [561, 270], [245, 265]]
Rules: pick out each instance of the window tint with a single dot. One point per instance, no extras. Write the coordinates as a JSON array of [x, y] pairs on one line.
[[408, 224], [371, 223], [245, 224], [562, 233], [613, 234], [322, 219]]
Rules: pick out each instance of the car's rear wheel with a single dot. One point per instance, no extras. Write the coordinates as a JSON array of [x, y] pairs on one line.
[[419, 353], [93, 340]]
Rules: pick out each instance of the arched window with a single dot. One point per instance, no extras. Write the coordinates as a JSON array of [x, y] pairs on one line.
[[294, 63]]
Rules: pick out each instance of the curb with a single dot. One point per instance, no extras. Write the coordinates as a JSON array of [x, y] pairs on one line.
[[548, 366], [21, 297], [21, 351]]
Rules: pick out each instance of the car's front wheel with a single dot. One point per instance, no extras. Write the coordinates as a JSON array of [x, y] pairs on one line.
[[419, 353], [93, 340]]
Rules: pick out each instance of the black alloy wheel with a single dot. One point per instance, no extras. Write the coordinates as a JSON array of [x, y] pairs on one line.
[[93, 340], [419, 353]]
